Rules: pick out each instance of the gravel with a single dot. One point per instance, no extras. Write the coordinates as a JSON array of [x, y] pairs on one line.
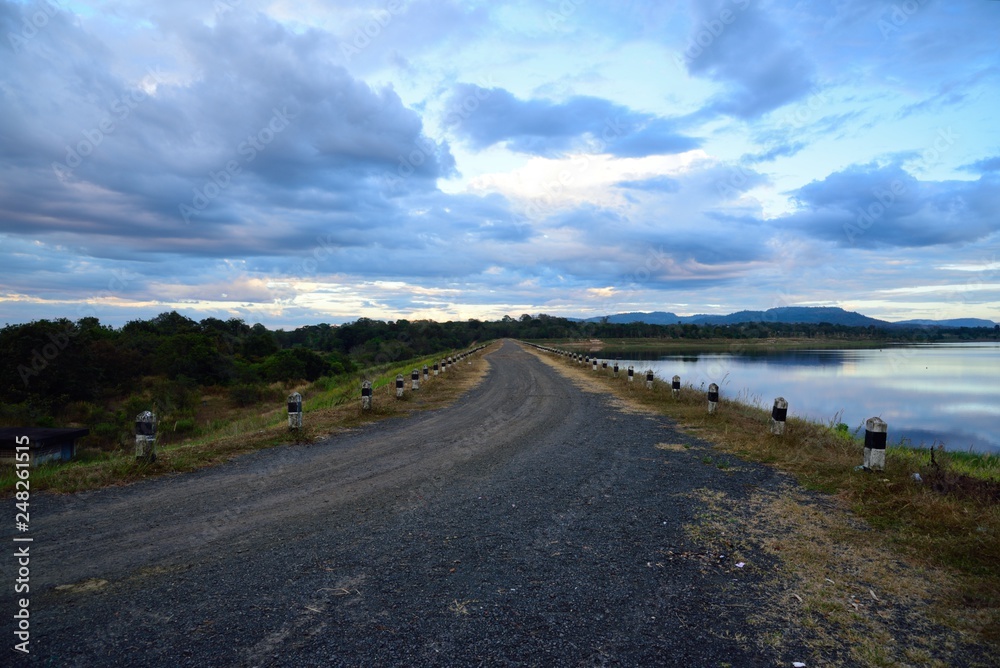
[[529, 524]]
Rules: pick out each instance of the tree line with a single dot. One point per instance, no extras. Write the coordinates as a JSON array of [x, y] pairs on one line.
[[50, 365]]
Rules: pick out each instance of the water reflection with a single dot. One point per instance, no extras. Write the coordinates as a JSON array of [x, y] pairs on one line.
[[929, 394]]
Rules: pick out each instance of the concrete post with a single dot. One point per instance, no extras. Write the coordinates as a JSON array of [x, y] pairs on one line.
[[604, 364], [631, 372], [614, 369], [593, 361], [399, 386], [425, 372], [366, 395], [675, 386], [778, 415], [444, 366], [876, 434], [435, 368], [415, 378], [713, 397], [295, 411], [649, 379], [145, 436]]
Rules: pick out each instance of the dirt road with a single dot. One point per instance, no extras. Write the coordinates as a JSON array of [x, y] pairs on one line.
[[531, 523]]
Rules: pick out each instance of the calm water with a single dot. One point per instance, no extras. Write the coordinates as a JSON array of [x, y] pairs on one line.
[[928, 394]]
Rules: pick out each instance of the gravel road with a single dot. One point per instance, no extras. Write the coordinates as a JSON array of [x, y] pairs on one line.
[[530, 523]]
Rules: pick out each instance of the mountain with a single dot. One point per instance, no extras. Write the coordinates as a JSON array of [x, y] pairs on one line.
[[793, 314], [954, 322], [785, 314]]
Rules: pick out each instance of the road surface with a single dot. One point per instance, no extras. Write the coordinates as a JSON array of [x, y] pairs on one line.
[[530, 523]]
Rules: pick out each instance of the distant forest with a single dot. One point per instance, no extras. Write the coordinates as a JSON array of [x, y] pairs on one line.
[[51, 365]]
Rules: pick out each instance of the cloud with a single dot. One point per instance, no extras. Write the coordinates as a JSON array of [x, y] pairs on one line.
[[267, 129], [488, 116], [742, 46], [663, 184], [870, 205], [984, 165]]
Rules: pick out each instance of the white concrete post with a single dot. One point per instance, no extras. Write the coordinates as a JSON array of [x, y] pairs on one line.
[[649, 379], [415, 378], [631, 372], [435, 368], [778, 415], [425, 372], [675, 386], [366, 395], [295, 411], [444, 365], [145, 436], [593, 360], [604, 364], [399, 386], [614, 369], [713, 397], [876, 434]]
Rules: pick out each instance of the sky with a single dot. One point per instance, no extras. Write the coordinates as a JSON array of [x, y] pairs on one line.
[[293, 163]]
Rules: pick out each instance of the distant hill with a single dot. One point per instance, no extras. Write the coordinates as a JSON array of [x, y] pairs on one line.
[[793, 314], [785, 314], [954, 322]]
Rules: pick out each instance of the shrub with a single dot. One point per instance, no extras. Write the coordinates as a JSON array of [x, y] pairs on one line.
[[246, 394]]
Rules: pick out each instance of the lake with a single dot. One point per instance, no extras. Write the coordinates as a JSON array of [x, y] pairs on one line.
[[930, 394]]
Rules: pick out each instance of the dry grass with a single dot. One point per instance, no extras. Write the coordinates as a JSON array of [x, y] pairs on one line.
[[930, 545], [328, 408]]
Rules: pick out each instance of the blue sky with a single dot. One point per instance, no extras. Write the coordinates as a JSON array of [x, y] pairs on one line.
[[294, 163]]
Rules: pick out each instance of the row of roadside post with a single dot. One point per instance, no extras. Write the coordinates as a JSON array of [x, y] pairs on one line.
[[146, 421], [876, 430]]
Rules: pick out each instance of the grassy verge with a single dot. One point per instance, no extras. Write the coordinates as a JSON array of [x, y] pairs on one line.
[[906, 545], [329, 405]]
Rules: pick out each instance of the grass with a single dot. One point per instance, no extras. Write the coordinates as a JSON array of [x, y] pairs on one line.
[[944, 528], [222, 431]]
